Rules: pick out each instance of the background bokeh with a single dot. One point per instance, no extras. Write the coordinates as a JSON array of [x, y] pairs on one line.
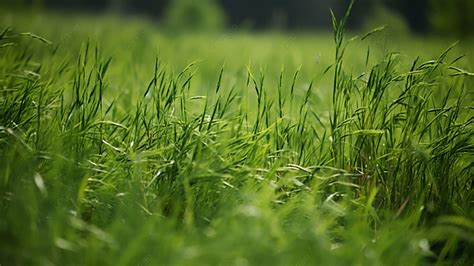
[[453, 18]]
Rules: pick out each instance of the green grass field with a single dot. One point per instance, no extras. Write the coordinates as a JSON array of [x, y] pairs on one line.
[[122, 143]]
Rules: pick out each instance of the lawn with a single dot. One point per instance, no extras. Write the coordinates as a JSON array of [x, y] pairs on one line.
[[122, 143]]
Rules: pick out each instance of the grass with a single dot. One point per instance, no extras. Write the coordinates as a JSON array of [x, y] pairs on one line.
[[360, 156]]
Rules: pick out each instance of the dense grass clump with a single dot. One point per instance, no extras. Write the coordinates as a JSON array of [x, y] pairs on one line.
[[245, 174]]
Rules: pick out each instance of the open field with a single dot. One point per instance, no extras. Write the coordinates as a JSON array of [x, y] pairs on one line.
[[124, 144]]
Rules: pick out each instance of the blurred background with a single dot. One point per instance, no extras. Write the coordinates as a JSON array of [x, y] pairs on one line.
[[453, 18], [264, 35]]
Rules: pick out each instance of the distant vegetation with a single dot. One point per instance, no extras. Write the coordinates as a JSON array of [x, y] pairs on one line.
[[189, 15], [452, 17]]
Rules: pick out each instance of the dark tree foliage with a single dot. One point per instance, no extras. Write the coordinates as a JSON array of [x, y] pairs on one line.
[[300, 14], [257, 14], [415, 12], [453, 16], [290, 14]]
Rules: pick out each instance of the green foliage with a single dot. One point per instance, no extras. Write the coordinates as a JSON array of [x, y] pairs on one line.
[[188, 15], [395, 24], [111, 161], [452, 17]]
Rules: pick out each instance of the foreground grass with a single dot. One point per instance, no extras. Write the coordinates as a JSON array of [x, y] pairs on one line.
[[354, 161]]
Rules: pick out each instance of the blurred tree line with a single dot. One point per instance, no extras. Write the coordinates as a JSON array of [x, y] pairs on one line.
[[455, 17]]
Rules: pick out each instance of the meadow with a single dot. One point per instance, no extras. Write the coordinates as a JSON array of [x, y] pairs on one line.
[[122, 143]]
